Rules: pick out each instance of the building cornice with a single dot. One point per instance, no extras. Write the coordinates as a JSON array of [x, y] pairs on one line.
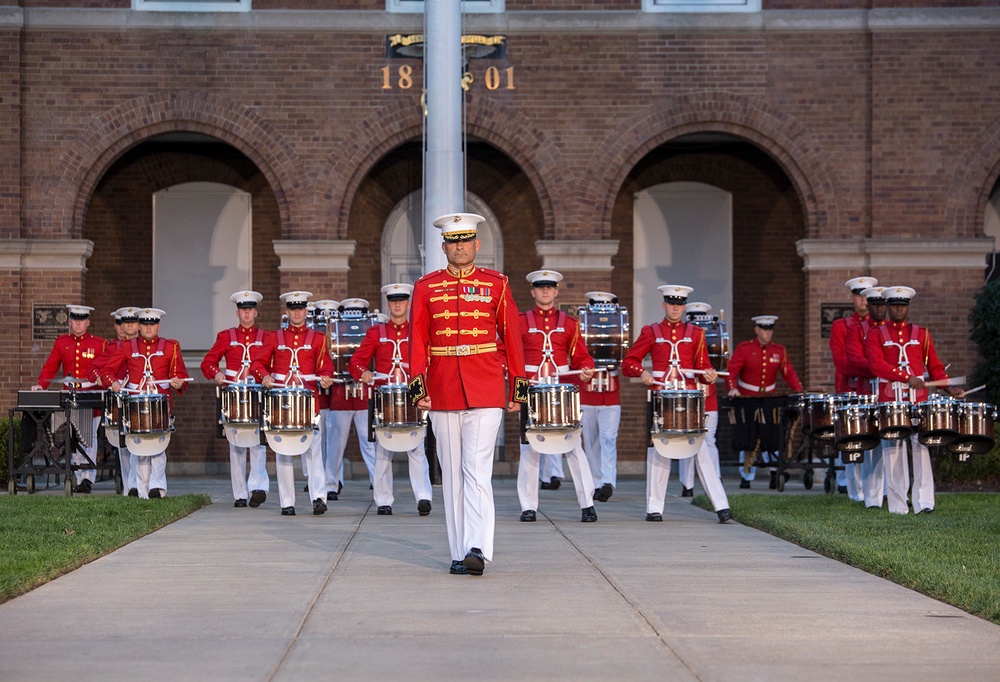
[[314, 255], [45, 254], [574, 22], [577, 254], [873, 254]]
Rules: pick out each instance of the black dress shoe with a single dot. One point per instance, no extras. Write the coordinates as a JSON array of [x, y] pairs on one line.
[[332, 496], [384, 510], [257, 498], [687, 492], [588, 515], [773, 485], [842, 489], [319, 507], [724, 515], [474, 561], [744, 483], [926, 510], [240, 503], [84, 487], [424, 507], [604, 493], [133, 492], [288, 511], [528, 515], [653, 516], [554, 483], [458, 568], [545, 485], [156, 493], [340, 486], [305, 488]]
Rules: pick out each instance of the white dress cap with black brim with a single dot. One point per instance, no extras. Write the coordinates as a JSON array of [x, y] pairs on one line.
[[459, 227], [246, 299], [676, 294]]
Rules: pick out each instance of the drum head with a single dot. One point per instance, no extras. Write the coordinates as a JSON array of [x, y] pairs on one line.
[[243, 435], [400, 440], [290, 443], [677, 446], [554, 441], [147, 444]]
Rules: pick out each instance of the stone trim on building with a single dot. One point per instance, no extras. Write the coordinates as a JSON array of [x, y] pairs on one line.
[[45, 254], [313, 255], [569, 255], [865, 254]]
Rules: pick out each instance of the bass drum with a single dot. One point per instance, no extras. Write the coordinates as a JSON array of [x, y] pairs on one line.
[[604, 328], [716, 341], [344, 335]]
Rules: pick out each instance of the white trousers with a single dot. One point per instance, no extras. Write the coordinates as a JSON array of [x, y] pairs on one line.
[[851, 476], [600, 441], [465, 443], [686, 467], [658, 475], [873, 477], [256, 478], [150, 473], [284, 468], [550, 466], [527, 477], [898, 475], [420, 475], [337, 428]]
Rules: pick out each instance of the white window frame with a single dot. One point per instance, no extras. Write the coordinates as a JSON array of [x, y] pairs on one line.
[[700, 5], [468, 6], [183, 6]]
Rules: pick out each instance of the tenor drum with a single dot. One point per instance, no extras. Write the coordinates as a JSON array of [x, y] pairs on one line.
[[553, 425], [146, 423], [290, 419], [854, 428], [114, 408], [895, 420], [938, 421], [975, 428], [803, 403], [398, 424], [822, 411], [604, 328], [241, 403]]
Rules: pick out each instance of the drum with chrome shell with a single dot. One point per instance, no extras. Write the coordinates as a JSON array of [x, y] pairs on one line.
[[399, 426], [146, 423], [976, 434], [344, 334], [290, 419], [553, 424], [937, 419], [604, 328], [241, 413], [678, 425]]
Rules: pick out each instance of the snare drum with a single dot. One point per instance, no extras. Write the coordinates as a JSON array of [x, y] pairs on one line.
[[679, 412], [290, 419], [393, 407], [975, 428], [854, 428], [938, 421], [553, 419], [895, 420], [147, 413], [241, 403]]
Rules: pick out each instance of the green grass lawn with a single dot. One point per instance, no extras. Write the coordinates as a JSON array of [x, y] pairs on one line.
[[952, 555], [45, 536]]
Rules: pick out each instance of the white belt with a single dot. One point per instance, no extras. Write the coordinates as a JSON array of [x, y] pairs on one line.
[[231, 372], [562, 369], [755, 389]]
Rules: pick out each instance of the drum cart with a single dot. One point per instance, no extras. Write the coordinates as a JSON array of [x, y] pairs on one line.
[[45, 451]]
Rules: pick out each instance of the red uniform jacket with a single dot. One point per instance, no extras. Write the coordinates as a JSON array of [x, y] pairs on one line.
[[568, 349], [844, 379], [753, 368], [163, 355], [463, 339], [235, 344], [655, 340], [284, 346], [76, 354], [383, 342], [97, 366], [856, 357], [882, 346]]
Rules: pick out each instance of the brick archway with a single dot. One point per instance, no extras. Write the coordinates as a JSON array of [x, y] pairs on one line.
[[975, 175], [120, 128], [779, 135], [494, 123]]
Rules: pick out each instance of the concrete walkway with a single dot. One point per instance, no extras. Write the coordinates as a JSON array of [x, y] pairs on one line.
[[245, 594]]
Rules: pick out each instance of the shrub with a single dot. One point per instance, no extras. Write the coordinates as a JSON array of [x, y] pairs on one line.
[[984, 321]]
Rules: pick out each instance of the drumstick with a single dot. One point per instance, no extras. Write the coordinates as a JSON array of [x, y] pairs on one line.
[[971, 390], [580, 371], [702, 371], [83, 384], [954, 381], [166, 382]]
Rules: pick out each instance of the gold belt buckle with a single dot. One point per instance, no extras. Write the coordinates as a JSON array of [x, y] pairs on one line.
[[465, 349]]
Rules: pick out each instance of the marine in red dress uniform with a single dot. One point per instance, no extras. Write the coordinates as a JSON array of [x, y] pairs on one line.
[[901, 353], [152, 365], [296, 356], [673, 346], [238, 346], [386, 347], [552, 346], [460, 315], [75, 353]]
